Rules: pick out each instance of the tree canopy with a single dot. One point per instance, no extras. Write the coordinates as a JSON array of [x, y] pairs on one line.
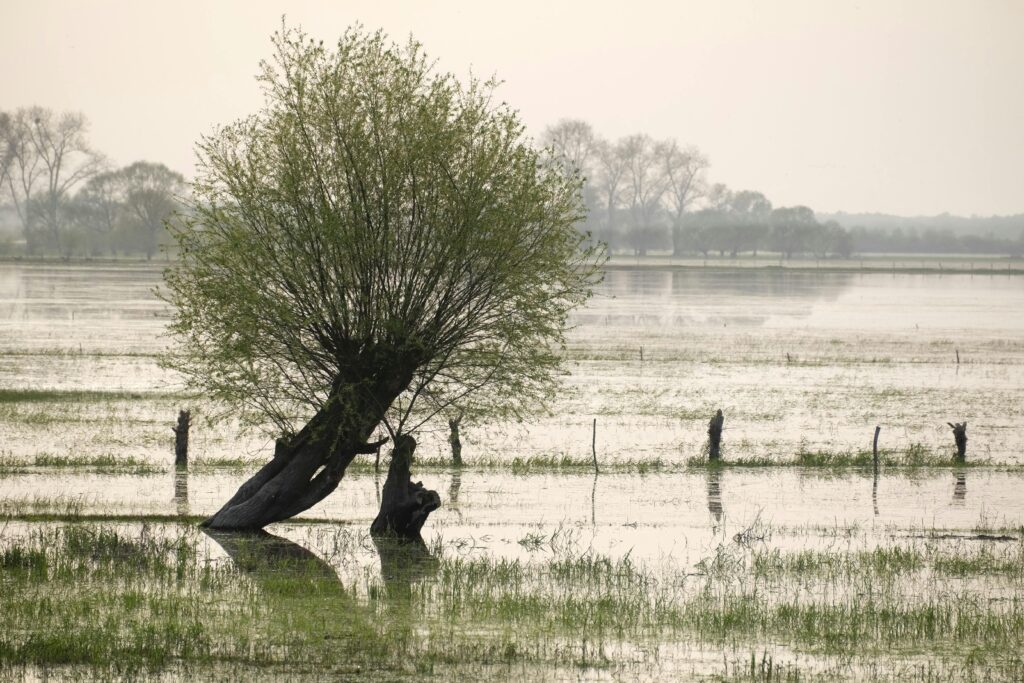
[[376, 218]]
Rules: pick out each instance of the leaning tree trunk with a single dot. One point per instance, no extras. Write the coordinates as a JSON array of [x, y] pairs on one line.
[[404, 505], [308, 467]]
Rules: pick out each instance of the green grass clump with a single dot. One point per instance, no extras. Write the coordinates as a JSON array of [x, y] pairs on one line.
[[103, 464], [913, 457]]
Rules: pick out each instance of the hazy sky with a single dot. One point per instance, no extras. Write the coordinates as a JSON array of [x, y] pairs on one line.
[[900, 107]]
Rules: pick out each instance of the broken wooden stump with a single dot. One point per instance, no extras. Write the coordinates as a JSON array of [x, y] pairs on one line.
[[454, 441], [715, 436], [181, 439], [960, 436], [405, 504]]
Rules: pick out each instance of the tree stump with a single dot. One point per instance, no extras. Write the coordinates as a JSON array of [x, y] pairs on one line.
[[454, 441], [715, 436], [181, 439], [404, 505], [960, 436]]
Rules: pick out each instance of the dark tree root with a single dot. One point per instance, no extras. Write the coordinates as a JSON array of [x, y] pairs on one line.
[[405, 504]]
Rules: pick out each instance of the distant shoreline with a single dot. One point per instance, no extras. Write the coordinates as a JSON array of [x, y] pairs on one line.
[[926, 264], [942, 264]]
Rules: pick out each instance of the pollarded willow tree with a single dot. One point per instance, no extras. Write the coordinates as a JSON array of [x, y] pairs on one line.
[[378, 245]]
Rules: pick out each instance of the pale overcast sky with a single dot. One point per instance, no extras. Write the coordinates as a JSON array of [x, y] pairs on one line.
[[899, 107]]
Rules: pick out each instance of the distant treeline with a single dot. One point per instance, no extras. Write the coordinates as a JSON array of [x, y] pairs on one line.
[[60, 196], [644, 195], [63, 197]]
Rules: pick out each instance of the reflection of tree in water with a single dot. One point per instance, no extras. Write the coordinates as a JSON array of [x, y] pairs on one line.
[[960, 487], [307, 608], [874, 492], [680, 296], [292, 574], [453, 488], [403, 562], [715, 494], [181, 492], [268, 559]]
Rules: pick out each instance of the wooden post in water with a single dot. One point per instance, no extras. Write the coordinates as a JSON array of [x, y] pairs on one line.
[[960, 436], [874, 448], [593, 446], [715, 436], [958, 356], [454, 441], [181, 439]]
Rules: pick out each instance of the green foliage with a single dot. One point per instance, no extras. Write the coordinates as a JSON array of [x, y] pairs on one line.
[[375, 219]]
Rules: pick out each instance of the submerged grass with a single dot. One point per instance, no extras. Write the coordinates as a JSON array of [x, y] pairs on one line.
[[136, 600]]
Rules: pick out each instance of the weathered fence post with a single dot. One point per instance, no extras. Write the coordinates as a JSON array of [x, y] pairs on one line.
[[960, 436], [456, 443], [715, 436], [593, 445], [181, 439], [874, 448]]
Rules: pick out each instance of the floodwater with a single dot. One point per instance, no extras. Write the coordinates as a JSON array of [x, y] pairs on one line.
[[797, 361]]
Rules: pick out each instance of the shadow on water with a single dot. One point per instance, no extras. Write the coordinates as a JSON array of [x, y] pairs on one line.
[[715, 494], [181, 492], [960, 487]]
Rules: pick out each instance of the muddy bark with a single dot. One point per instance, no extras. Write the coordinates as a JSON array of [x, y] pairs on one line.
[[715, 436], [405, 504], [181, 439], [455, 442], [960, 437], [307, 467]]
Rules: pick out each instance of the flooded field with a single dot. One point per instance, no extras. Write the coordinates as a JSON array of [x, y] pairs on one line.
[[791, 561]]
